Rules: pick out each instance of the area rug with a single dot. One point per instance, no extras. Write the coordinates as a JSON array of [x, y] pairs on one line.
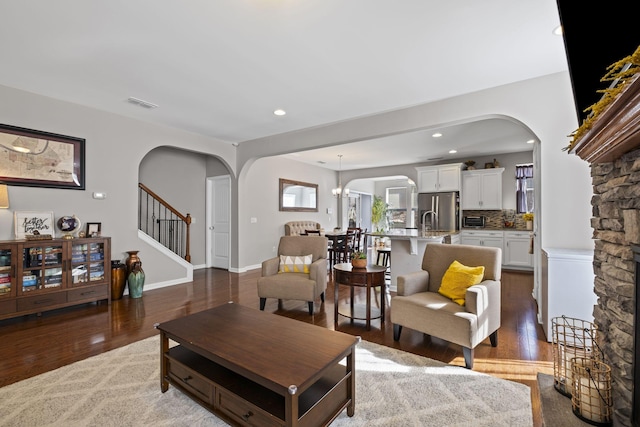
[[393, 388], [556, 407]]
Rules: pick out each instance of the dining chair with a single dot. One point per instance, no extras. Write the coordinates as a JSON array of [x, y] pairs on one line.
[[357, 232], [345, 246]]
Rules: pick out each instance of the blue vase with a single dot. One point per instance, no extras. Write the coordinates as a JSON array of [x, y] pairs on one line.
[[136, 281]]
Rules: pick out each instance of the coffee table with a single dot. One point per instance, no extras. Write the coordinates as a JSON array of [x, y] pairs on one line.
[[255, 368], [370, 277]]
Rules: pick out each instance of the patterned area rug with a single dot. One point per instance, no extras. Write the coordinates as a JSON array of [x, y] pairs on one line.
[[393, 388]]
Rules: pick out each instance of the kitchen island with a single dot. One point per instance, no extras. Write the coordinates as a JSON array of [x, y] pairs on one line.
[[407, 248]]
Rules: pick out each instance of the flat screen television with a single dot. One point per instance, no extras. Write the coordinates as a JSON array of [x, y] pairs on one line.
[[596, 35]]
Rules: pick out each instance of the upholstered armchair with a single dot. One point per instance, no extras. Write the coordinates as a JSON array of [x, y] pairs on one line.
[[419, 306], [290, 276]]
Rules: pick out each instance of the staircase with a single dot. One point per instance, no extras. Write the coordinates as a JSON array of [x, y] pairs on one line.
[[163, 222]]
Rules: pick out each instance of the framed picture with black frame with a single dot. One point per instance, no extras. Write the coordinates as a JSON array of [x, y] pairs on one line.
[[35, 158], [94, 229]]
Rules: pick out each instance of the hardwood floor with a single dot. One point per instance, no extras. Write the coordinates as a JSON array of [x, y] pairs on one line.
[[31, 345]]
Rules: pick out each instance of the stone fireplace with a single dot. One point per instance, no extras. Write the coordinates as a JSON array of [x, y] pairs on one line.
[[611, 146]]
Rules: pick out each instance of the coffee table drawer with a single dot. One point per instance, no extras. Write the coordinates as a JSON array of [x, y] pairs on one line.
[[243, 412], [190, 380]]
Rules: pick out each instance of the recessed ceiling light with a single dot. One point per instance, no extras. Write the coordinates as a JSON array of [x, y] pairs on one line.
[[558, 30], [453, 151], [437, 135], [531, 141], [279, 112]]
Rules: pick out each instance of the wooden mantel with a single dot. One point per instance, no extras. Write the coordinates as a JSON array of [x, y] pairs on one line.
[[616, 130]]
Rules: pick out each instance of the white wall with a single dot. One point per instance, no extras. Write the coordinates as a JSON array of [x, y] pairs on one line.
[[566, 184], [179, 177], [115, 147], [259, 199]]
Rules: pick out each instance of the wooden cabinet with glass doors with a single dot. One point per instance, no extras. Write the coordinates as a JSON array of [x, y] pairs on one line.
[[37, 276]]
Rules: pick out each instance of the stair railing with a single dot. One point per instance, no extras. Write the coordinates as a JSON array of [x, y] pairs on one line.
[[163, 222]]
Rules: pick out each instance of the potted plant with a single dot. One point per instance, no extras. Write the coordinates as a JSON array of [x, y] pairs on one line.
[[528, 218], [378, 213], [359, 259]]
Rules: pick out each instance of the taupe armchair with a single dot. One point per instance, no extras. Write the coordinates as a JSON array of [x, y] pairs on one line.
[[295, 286], [419, 306]]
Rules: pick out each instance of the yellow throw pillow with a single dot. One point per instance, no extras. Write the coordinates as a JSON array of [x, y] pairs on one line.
[[457, 279], [295, 264]]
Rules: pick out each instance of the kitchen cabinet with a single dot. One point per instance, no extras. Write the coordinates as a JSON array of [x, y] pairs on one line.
[[455, 239], [482, 189], [491, 238], [516, 249], [41, 275], [439, 178]]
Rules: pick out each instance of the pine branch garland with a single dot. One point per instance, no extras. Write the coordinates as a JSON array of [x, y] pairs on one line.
[[617, 74]]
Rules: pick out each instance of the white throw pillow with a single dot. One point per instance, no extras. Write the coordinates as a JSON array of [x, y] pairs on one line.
[[295, 264]]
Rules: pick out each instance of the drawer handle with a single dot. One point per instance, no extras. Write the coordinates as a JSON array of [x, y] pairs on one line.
[[247, 416], [88, 293], [187, 378], [43, 301]]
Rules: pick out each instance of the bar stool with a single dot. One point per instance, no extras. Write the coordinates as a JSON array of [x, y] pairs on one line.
[[384, 259]]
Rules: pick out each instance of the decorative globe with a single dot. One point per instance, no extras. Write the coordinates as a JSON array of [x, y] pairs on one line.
[[69, 225]]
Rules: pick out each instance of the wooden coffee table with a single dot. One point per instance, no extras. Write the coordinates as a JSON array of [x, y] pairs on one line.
[[255, 368], [370, 277]]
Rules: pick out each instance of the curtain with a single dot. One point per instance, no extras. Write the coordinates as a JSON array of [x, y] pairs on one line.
[[524, 187]]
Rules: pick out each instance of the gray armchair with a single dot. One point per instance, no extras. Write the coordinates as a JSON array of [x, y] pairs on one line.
[[419, 306], [295, 286]]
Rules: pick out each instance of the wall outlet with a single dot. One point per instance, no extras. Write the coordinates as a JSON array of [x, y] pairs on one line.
[[254, 220], [330, 211], [274, 249]]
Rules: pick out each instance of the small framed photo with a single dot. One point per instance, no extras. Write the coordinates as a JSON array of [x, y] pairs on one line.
[[94, 229], [30, 223]]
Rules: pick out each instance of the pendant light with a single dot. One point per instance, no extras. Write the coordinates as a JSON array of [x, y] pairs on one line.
[[338, 192]]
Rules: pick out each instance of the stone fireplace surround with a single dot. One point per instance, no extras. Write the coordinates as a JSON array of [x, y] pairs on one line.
[[611, 146]]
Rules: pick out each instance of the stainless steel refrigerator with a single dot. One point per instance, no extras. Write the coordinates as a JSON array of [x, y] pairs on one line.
[[439, 211]]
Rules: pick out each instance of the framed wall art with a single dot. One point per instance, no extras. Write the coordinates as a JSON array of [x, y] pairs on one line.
[[40, 159], [28, 222], [94, 229]]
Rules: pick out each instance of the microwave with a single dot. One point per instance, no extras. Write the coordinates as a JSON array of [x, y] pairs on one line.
[[474, 221]]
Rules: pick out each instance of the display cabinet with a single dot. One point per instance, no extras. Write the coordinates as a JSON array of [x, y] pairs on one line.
[[41, 275], [7, 278]]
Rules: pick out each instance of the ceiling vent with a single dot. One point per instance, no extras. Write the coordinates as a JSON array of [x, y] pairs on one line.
[[141, 103]]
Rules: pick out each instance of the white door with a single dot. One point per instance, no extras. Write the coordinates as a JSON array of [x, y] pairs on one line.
[[218, 244]]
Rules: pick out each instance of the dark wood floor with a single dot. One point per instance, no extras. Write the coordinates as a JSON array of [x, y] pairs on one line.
[[31, 345]]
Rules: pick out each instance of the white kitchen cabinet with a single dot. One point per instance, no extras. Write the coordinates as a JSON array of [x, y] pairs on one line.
[[455, 239], [516, 249], [494, 238], [439, 178], [482, 189]]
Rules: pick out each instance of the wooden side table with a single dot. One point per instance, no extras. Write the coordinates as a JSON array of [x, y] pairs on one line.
[[370, 277]]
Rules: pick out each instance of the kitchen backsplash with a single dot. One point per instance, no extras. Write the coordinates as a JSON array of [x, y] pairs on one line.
[[496, 219]]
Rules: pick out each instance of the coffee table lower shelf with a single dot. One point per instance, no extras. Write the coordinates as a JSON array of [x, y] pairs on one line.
[[243, 402]]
